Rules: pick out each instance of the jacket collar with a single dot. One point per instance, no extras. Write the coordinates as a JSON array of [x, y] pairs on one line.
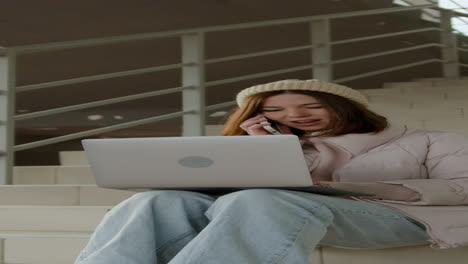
[[361, 143]]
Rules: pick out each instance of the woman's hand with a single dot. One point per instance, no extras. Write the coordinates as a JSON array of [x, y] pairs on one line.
[[254, 126]]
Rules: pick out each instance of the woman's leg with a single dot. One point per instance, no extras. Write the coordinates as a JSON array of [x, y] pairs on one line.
[[148, 228], [274, 226]]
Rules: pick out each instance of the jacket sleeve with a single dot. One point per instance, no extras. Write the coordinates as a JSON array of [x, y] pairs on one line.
[[447, 166]]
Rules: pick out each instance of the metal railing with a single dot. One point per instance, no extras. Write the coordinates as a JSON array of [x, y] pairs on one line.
[[192, 67], [435, 16]]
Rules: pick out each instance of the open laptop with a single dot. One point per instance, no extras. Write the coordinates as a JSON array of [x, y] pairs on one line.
[[209, 164]]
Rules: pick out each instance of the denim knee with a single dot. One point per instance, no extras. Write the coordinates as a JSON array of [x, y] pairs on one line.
[[169, 195], [268, 202], [255, 197], [251, 197], [167, 199]]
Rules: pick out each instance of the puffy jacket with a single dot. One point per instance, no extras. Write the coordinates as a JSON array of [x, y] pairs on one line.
[[423, 174]]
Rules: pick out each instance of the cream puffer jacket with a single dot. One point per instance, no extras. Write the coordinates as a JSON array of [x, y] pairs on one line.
[[423, 174]]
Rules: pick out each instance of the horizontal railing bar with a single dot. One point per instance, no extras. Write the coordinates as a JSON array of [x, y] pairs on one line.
[[372, 73], [99, 77], [460, 14], [454, 12], [258, 75], [219, 106], [100, 103], [100, 130], [310, 18], [100, 41], [464, 50], [153, 35], [384, 35], [463, 65], [256, 54], [372, 55]]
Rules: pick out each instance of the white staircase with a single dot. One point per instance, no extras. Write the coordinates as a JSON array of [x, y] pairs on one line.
[[49, 213]]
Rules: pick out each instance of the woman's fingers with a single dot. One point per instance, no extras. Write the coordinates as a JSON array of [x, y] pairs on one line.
[[254, 125], [257, 130], [252, 121]]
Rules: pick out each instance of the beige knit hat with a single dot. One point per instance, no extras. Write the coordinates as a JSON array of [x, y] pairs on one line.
[[308, 85]]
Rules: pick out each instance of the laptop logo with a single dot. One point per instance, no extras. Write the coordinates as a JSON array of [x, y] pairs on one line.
[[196, 162]]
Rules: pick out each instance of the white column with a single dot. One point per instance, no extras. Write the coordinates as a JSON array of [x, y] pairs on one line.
[[449, 40], [321, 55], [193, 51], [7, 110]]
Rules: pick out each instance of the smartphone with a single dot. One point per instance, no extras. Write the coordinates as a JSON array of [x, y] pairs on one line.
[[268, 128]]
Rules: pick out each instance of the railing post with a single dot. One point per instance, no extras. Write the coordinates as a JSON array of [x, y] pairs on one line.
[[7, 110], [449, 40], [321, 54], [193, 51], [2, 250]]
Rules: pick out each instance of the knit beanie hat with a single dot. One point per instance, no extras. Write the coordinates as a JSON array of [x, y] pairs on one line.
[[307, 85]]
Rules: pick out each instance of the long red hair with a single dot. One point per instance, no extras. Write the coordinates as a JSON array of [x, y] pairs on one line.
[[347, 116]]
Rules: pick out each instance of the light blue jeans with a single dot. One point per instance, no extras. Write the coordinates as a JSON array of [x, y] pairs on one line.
[[256, 226]]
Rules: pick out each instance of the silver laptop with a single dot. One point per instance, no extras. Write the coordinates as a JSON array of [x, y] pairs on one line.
[[211, 164]]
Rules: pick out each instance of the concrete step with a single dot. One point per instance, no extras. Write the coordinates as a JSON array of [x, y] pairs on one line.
[[451, 124], [441, 78], [417, 124], [25, 218], [42, 247], [458, 103], [63, 195], [80, 174], [402, 99], [213, 130], [417, 114], [455, 125], [401, 255], [456, 95], [407, 84], [408, 93], [46, 234], [426, 83], [381, 91], [432, 89], [56, 248], [73, 158]]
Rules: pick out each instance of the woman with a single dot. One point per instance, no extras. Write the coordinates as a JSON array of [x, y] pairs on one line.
[[345, 145]]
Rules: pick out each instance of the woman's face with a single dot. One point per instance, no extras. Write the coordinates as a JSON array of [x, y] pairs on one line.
[[299, 111]]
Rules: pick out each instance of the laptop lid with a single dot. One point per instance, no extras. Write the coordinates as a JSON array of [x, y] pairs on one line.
[[198, 162]]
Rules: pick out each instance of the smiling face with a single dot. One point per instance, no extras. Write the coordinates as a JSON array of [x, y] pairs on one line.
[[299, 111]]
